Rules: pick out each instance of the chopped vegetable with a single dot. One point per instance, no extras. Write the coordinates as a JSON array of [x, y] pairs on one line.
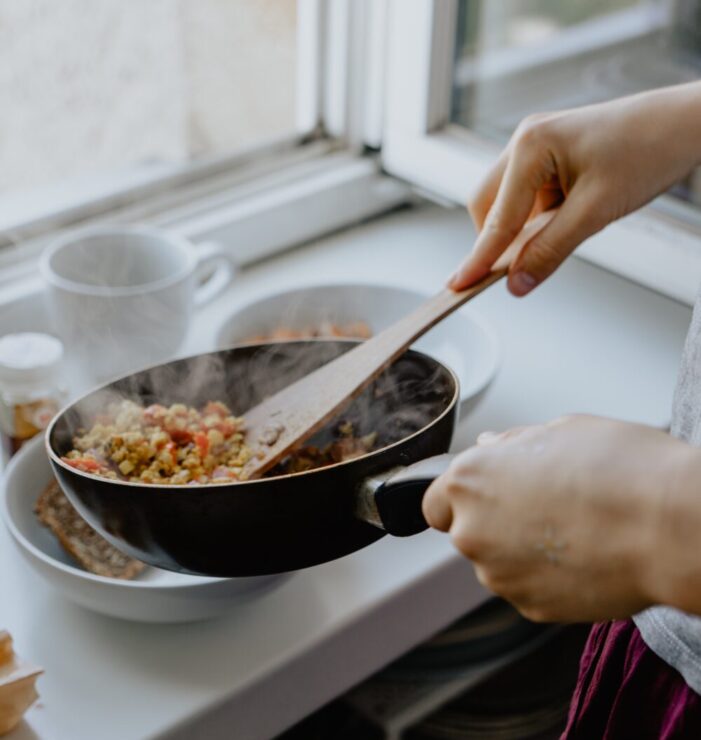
[[159, 444], [179, 445]]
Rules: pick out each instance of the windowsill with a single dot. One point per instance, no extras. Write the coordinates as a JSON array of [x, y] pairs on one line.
[[316, 192], [585, 341]]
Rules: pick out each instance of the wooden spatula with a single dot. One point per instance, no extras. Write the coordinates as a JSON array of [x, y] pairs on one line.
[[286, 419]]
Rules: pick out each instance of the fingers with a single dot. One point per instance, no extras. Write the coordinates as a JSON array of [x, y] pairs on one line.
[[577, 219], [489, 438], [506, 218], [481, 201], [527, 169], [437, 508]]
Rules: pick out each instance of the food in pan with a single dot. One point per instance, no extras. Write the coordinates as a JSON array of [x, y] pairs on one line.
[[179, 445], [158, 444], [346, 446], [324, 330], [89, 549]]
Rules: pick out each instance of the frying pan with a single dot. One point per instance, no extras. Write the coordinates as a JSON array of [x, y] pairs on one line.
[[281, 523]]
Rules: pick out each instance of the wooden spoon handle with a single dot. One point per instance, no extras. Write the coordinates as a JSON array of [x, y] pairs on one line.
[[395, 339]]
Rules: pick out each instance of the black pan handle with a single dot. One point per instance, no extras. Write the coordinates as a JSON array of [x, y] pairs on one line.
[[393, 501]]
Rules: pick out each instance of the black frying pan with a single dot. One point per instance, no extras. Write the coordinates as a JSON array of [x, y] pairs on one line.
[[279, 523]]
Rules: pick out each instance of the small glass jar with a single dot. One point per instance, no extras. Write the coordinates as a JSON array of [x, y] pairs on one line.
[[31, 391]]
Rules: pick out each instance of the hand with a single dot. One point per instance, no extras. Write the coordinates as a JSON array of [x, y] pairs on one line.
[[597, 163], [572, 520]]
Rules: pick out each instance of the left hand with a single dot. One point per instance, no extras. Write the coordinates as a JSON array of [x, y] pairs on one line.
[[563, 519], [587, 162]]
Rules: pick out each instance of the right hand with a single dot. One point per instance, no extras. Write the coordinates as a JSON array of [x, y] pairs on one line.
[[597, 163], [574, 520]]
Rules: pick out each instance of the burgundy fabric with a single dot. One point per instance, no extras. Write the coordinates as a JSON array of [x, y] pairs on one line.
[[625, 691]]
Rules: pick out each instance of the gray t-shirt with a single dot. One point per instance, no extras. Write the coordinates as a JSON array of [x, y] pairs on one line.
[[670, 633]]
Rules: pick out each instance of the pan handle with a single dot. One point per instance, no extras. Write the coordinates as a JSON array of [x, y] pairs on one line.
[[393, 501]]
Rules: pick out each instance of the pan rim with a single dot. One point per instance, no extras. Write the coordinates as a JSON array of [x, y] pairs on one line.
[[56, 459]]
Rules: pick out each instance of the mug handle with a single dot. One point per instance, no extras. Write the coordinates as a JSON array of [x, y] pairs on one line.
[[211, 254]]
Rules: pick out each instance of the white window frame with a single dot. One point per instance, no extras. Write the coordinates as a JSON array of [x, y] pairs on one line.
[[260, 200], [419, 144]]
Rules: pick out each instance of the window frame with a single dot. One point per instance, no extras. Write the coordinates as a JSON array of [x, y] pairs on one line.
[[658, 247], [259, 200]]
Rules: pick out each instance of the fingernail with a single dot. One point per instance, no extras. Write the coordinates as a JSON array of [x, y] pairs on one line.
[[522, 283], [453, 279], [487, 437]]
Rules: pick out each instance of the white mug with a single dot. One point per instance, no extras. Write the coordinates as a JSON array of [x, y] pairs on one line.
[[121, 297]]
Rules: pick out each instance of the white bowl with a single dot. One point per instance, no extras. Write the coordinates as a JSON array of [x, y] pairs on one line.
[[155, 596], [463, 341]]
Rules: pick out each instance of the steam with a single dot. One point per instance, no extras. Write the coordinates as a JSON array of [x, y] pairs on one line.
[[404, 399], [128, 313]]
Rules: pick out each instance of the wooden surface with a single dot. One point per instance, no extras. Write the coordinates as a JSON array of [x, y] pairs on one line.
[[285, 420]]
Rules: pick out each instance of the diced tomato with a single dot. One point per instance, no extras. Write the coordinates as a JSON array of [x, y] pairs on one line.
[[86, 464], [179, 436], [202, 443]]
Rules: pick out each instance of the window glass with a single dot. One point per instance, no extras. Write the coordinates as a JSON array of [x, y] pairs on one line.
[[516, 57], [97, 86]]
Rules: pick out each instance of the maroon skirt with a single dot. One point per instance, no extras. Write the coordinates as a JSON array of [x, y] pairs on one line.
[[625, 691]]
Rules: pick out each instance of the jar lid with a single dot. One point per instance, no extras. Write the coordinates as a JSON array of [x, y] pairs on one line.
[[29, 358]]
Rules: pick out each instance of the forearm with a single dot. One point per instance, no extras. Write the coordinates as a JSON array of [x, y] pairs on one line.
[[673, 552]]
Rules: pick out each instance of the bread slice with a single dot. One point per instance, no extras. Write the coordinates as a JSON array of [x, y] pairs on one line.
[[80, 540]]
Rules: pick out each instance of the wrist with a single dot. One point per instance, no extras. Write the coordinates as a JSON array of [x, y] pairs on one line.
[[682, 105]]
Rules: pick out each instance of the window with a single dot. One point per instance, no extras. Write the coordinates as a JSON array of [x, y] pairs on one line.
[[462, 74], [225, 120], [93, 87], [245, 121], [514, 58]]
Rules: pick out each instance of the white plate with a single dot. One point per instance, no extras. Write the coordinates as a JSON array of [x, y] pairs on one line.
[[155, 596], [464, 341]]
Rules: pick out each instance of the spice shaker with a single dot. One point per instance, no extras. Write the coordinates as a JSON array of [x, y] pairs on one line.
[[31, 392]]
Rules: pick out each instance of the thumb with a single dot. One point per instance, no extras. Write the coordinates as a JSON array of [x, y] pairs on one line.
[[574, 221]]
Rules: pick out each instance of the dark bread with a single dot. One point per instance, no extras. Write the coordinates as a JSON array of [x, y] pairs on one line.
[[80, 540]]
